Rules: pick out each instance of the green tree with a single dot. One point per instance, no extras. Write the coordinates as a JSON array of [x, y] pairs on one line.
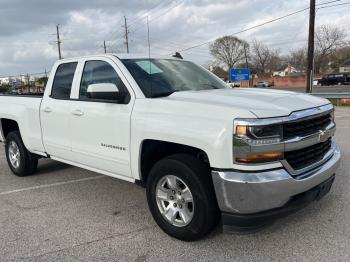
[[42, 80], [4, 88]]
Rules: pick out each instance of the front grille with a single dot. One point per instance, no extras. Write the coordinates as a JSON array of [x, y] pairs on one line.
[[306, 127], [301, 158]]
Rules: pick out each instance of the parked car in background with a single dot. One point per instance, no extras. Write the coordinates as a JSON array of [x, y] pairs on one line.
[[263, 84], [335, 79], [315, 82], [233, 83]]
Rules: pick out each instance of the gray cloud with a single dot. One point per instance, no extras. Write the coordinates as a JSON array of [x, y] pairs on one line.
[[27, 40]]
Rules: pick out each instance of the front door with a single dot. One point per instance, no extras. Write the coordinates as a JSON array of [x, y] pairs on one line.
[[100, 130]]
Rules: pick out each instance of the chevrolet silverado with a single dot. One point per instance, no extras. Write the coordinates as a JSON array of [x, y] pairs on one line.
[[204, 152]]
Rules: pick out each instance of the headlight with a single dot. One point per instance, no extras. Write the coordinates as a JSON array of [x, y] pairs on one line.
[[259, 134], [256, 132]]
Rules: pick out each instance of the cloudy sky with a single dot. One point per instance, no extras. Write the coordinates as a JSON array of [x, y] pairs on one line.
[[28, 27]]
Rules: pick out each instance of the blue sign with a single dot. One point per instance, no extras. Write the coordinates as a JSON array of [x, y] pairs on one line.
[[239, 74]]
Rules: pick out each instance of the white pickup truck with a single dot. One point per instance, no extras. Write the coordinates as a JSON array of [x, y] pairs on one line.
[[203, 151]]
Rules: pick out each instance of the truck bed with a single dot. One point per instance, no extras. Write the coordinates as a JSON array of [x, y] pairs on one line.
[[25, 110]]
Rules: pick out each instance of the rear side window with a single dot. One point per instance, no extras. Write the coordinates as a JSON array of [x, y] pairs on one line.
[[62, 83]]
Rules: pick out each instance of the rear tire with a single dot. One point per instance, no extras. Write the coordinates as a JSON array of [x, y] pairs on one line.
[[192, 181], [19, 159]]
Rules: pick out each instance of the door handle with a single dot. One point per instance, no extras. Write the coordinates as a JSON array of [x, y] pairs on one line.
[[77, 112], [47, 109]]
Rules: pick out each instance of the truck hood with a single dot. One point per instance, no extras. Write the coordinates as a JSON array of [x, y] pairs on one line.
[[262, 103]]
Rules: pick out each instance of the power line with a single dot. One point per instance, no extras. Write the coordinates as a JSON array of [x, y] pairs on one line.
[[168, 10], [329, 2], [346, 3], [250, 28], [145, 14], [164, 13], [181, 44], [263, 24]]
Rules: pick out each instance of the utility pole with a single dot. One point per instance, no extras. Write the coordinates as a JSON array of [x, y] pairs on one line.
[[126, 35], [246, 61], [58, 42], [104, 46], [310, 51], [28, 83]]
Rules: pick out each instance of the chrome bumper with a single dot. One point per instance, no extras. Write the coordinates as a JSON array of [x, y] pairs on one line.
[[253, 192]]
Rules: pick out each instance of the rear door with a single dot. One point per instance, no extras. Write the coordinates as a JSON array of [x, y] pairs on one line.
[[55, 111], [100, 130]]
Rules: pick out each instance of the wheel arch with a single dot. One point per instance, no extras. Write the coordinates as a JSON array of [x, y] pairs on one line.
[[7, 126], [151, 151]]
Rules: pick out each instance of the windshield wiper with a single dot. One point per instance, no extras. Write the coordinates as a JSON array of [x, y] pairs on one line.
[[163, 94]]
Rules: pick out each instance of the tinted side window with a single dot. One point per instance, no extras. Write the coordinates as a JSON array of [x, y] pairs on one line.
[[97, 72], [62, 83]]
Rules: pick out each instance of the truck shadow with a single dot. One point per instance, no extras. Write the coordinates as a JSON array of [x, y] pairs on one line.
[[49, 166]]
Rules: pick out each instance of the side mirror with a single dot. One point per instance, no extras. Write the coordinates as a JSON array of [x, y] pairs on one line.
[[103, 91]]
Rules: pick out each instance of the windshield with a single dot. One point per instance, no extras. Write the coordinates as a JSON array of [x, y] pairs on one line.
[[162, 77]]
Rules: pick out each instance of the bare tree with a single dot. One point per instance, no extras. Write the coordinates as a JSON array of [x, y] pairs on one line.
[[228, 50], [339, 57], [276, 61], [298, 58], [264, 59], [260, 55], [328, 39]]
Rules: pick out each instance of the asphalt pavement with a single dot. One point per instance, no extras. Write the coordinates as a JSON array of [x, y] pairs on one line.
[[64, 213]]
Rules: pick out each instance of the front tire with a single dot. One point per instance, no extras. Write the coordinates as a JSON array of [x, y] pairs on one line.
[[19, 159], [181, 197]]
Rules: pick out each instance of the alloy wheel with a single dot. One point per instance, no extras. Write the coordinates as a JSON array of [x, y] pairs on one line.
[[14, 154], [174, 200]]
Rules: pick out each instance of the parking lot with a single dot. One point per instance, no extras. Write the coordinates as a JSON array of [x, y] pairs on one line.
[[64, 213]]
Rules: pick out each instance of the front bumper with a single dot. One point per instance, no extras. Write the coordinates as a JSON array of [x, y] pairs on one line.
[[247, 193]]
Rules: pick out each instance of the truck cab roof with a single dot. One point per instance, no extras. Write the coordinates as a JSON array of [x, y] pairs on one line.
[[121, 56]]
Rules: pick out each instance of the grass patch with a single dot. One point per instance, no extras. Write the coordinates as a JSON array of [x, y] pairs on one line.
[[337, 102]]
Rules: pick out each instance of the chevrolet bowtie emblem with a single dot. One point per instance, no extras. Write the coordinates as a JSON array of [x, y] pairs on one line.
[[324, 136]]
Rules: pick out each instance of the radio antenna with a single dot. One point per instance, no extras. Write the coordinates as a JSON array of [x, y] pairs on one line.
[[149, 56], [149, 43]]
